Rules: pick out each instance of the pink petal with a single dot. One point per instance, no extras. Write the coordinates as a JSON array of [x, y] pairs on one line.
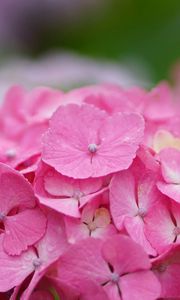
[[164, 139], [93, 291], [69, 155], [170, 165], [125, 255], [76, 230], [14, 269], [148, 194], [159, 227], [121, 135], [54, 242], [23, 230], [159, 103], [29, 144], [83, 261], [59, 185], [41, 103], [142, 285], [11, 112], [67, 206], [169, 189], [122, 197], [117, 139], [65, 194], [135, 228], [167, 269], [112, 291], [169, 280], [104, 233], [49, 249], [15, 190]]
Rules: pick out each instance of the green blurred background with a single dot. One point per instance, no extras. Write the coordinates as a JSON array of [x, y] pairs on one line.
[[146, 32], [135, 32]]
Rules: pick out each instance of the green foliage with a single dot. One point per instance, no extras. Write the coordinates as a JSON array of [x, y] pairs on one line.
[[147, 31]]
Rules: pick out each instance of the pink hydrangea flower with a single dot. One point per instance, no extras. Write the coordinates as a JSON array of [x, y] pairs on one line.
[[21, 108], [37, 259], [89, 194], [24, 118], [132, 197], [17, 207], [64, 194], [118, 264], [96, 144], [95, 221]]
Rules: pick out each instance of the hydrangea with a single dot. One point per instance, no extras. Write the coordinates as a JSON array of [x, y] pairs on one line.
[[90, 194]]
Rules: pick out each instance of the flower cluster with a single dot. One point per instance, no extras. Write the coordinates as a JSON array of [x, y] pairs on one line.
[[90, 194]]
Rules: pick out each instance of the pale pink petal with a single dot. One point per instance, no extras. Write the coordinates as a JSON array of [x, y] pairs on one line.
[[140, 285], [12, 119], [147, 157], [125, 255], [135, 228], [15, 190], [148, 194], [159, 227], [68, 206], [169, 189], [164, 139], [122, 197], [23, 230], [41, 103], [14, 269], [170, 165], [159, 103], [59, 185], [104, 233], [29, 144], [92, 197]]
